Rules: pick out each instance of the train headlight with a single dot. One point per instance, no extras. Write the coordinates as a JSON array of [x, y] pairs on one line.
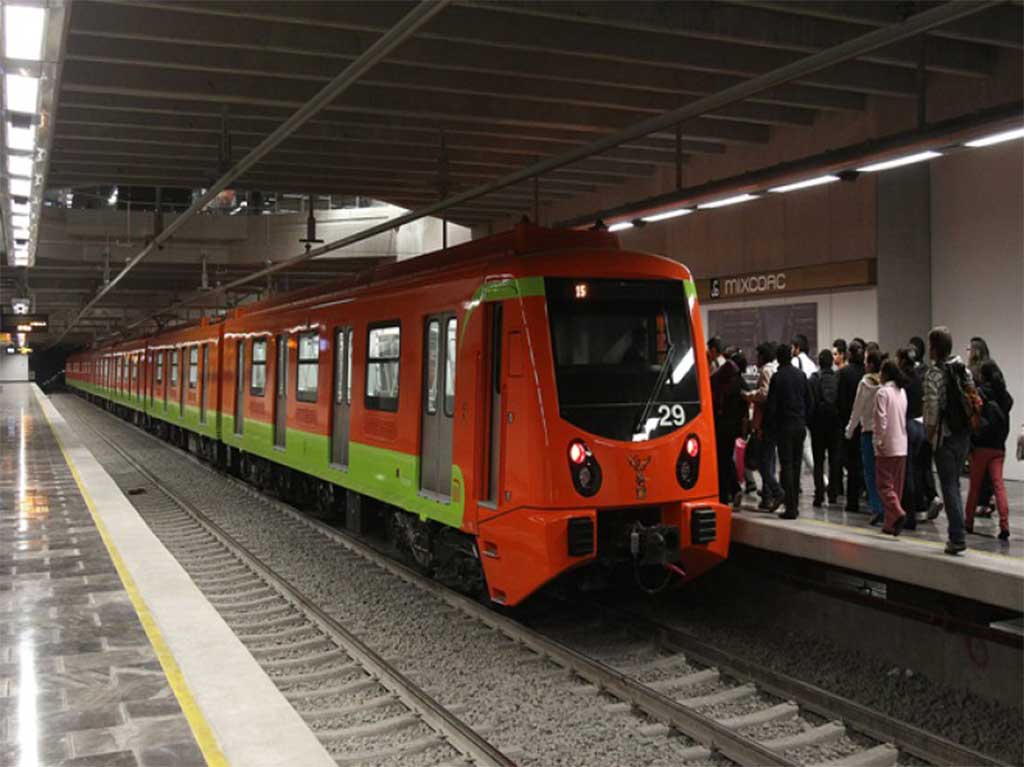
[[688, 465], [583, 468]]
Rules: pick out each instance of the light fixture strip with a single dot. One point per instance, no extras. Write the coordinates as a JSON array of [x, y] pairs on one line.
[[899, 162], [735, 200], [806, 184], [996, 138]]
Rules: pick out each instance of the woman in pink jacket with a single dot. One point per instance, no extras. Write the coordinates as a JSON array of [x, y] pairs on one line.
[[890, 441]]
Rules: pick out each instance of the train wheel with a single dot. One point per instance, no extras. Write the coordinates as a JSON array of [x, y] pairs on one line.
[[412, 538]]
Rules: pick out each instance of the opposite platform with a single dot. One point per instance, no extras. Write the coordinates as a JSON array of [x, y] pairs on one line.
[[110, 654], [990, 571]]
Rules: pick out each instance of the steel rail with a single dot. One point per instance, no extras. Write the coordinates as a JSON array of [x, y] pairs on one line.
[[858, 46], [460, 735], [932, 748], [407, 26]]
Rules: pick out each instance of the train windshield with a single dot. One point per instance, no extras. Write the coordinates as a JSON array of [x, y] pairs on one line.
[[624, 356]]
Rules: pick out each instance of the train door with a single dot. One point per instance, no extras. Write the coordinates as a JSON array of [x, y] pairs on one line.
[[239, 387], [494, 422], [342, 396], [203, 380], [438, 404], [281, 393]]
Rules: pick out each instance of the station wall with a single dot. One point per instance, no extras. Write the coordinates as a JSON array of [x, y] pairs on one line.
[[977, 270]]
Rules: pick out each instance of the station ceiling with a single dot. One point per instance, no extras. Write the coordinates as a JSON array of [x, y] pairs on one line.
[[168, 94]]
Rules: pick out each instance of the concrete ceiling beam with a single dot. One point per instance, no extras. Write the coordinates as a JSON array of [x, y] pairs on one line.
[[126, 80], [189, 24], [745, 26]]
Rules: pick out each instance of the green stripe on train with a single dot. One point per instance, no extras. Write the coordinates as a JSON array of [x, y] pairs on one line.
[[173, 414], [388, 475]]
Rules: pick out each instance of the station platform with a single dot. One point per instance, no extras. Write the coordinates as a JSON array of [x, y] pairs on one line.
[[991, 571], [109, 654]]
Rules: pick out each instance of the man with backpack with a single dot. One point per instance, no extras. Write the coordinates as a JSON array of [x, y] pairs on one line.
[[826, 430], [950, 405]]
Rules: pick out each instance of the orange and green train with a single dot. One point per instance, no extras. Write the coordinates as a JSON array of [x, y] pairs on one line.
[[517, 408]]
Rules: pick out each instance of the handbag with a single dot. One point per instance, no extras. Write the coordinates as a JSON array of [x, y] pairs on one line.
[[739, 452]]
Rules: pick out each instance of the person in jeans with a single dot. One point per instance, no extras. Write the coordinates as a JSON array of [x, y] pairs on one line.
[[849, 380], [826, 430], [913, 499], [786, 411], [989, 446], [764, 450], [948, 427], [861, 418], [889, 429]]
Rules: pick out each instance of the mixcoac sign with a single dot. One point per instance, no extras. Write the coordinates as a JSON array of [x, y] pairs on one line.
[[799, 279], [742, 286]]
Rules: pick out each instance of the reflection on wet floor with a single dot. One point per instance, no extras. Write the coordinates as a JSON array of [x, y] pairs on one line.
[[80, 685], [985, 530]]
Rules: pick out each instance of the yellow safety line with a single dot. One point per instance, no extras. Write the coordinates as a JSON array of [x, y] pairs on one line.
[[866, 534], [197, 722]]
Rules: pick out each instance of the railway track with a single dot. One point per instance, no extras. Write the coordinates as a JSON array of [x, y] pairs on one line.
[[360, 705], [662, 682]]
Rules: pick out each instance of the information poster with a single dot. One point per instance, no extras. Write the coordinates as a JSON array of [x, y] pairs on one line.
[[747, 327]]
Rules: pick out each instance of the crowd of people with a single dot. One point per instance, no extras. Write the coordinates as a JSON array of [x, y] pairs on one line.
[[878, 424]]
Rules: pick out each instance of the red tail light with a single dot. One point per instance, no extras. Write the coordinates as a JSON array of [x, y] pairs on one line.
[[578, 452], [692, 446]]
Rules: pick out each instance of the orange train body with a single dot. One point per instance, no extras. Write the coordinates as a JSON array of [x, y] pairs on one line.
[[539, 391]]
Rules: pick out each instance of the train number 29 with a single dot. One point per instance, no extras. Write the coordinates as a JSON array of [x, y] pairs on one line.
[[673, 415]]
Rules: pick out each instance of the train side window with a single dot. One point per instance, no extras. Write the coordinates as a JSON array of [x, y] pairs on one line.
[[193, 366], [174, 367], [449, 367], [308, 367], [433, 349], [159, 367], [383, 348], [258, 377]]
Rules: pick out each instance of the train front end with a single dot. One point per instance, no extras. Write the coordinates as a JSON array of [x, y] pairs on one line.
[[615, 467]]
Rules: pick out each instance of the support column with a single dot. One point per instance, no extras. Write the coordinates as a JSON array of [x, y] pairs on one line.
[[904, 255]]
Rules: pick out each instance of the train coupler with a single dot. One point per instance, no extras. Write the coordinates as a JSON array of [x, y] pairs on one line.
[[654, 544]]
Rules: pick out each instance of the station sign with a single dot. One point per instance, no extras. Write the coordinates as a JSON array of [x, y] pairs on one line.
[[24, 323], [800, 279]]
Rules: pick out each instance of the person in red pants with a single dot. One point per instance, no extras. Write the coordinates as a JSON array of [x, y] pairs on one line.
[[989, 446], [889, 432]]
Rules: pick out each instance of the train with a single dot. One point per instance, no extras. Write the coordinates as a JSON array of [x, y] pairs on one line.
[[526, 408]]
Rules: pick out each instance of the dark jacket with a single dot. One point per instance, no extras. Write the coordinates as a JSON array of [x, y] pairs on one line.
[[789, 401], [849, 380], [994, 424], [726, 397]]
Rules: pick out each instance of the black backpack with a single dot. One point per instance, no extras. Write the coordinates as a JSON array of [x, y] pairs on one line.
[[963, 403], [827, 395]]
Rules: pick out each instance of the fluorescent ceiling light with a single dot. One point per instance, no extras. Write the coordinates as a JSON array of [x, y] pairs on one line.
[[19, 165], [23, 32], [21, 220], [23, 208], [727, 201], [23, 139], [21, 187], [21, 234], [22, 93], [620, 226], [997, 138], [900, 161], [667, 215], [819, 181]]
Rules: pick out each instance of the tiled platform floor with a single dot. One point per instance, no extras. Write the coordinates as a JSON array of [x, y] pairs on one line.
[[985, 530], [79, 682]]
